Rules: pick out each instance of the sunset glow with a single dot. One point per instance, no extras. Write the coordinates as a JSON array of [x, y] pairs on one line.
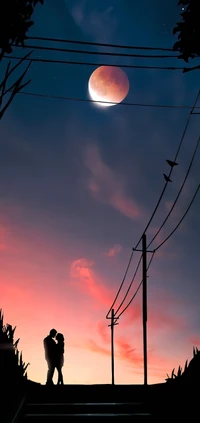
[[79, 184]]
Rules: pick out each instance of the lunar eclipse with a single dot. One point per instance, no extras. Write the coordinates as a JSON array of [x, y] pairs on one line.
[[108, 84]]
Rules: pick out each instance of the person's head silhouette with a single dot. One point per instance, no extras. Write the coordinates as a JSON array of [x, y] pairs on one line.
[[59, 337], [53, 333]]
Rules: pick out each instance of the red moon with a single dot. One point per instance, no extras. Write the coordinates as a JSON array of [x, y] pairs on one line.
[[108, 84]]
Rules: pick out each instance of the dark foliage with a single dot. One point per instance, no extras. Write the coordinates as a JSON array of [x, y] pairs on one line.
[[12, 367], [15, 21], [188, 44], [191, 371]]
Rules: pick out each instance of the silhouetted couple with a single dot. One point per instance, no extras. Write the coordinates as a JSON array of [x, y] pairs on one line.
[[54, 355]]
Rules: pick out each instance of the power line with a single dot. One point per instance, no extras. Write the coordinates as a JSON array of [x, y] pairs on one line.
[[87, 100], [127, 269], [99, 53], [170, 173], [166, 239], [69, 62], [60, 40], [133, 278], [139, 286], [159, 246], [178, 195], [162, 193]]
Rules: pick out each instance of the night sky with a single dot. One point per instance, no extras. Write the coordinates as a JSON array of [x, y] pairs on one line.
[[78, 184]]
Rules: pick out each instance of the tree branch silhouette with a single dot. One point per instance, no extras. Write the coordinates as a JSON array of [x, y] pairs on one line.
[[13, 89], [15, 21]]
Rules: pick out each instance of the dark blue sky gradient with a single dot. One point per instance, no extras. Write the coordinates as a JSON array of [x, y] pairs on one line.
[[44, 142]]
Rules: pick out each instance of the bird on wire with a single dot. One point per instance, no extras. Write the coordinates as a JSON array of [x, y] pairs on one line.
[[172, 164], [167, 178]]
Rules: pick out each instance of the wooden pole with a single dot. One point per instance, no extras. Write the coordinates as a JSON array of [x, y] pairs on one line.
[[112, 347], [144, 304]]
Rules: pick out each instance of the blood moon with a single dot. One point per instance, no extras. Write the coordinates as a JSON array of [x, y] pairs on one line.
[[108, 84]]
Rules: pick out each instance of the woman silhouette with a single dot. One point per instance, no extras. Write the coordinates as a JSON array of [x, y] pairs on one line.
[[60, 356]]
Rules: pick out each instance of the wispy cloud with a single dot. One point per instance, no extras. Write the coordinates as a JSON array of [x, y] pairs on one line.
[[113, 251], [95, 347], [81, 271], [127, 353], [98, 23], [108, 187], [124, 351], [162, 313]]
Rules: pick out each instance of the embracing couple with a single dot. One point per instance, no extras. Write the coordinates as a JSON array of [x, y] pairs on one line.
[[54, 355]]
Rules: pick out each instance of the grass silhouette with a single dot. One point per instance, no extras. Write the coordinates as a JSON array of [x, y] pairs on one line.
[[13, 372], [191, 371], [12, 368]]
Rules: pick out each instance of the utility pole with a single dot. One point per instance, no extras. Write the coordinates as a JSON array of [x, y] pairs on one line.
[[112, 347], [113, 323], [144, 303]]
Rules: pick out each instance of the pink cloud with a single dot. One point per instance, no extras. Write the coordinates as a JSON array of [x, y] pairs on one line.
[[124, 351], [162, 313], [113, 251], [81, 270], [127, 353], [102, 329], [94, 347], [108, 187]]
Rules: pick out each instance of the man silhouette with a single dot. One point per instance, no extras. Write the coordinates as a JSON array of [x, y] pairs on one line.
[[50, 354]]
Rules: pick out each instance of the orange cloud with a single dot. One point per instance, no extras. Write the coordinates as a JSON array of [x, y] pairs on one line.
[[81, 270], [123, 351], [107, 187], [112, 252], [126, 352], [94, 347]]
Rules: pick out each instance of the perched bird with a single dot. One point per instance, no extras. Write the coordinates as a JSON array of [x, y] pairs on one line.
[[172, 164], [167, 178]]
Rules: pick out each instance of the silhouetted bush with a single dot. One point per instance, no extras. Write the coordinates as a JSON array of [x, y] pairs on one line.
[[191, 371], [12, 367]]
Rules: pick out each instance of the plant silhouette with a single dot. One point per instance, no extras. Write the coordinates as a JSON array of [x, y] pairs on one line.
[[15, 21], [188, 44], [191, 371], [12, 368]]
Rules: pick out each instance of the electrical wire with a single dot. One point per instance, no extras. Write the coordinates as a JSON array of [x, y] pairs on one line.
[[127, 269], [166, 239], [160, 198], [159, 246], [187, 210], [99, 53], [130, 285], [69, 62], [170, 173], [87, 100], [139, 286], [60, 40], [178, 195]]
